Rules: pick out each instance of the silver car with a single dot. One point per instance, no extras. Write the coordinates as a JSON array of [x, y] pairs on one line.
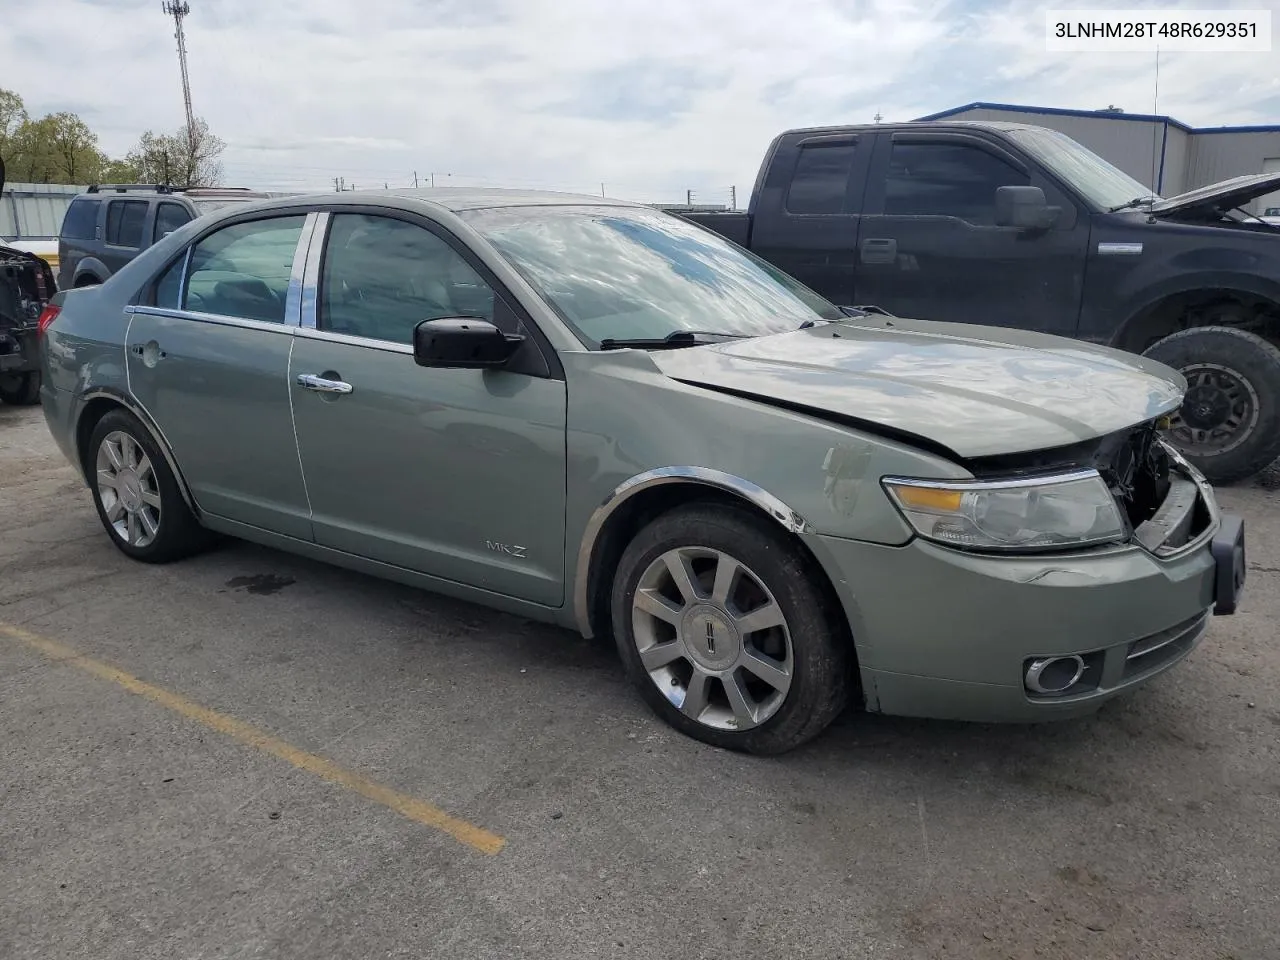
[[598, 415]]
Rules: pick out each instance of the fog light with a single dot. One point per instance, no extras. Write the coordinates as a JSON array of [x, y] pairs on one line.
[[1054, 674]]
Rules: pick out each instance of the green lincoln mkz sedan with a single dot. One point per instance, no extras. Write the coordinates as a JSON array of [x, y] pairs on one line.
[[592, 413]]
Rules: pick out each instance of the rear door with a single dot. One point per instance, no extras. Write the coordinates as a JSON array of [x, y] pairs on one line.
[[929, 247], [806, 218], [208, 358], [125, 232]]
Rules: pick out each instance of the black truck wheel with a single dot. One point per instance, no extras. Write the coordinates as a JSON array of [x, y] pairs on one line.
[[1229, 422], [20, 389]]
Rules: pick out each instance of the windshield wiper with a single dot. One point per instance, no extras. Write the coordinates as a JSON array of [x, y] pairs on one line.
[[672, 341], [1135, 202]]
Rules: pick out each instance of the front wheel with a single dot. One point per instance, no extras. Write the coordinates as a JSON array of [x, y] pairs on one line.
[[722, 625], [1229, 421], [20, 389]]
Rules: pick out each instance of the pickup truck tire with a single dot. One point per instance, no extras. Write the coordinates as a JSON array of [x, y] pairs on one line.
[[707, 572], [1229, 422], [138, 480], [20, 389]]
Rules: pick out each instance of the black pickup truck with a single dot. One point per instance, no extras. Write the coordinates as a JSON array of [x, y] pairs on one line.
[[1017, 225]]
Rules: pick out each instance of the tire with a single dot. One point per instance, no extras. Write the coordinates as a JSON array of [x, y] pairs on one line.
[[811, 647], [1229, 422], [20, 389], [151, 491]]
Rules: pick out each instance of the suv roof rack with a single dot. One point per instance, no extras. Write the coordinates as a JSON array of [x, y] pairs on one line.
[[126, 187]]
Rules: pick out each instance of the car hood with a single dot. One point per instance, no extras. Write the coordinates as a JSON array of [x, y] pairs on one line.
[[974, 391], [1221, 196]]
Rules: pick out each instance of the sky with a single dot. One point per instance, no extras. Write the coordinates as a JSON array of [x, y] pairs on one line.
[[645, 98]]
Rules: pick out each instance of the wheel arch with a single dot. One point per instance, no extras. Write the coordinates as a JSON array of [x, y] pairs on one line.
[[1196, 304], [644, 496], [98, 403]]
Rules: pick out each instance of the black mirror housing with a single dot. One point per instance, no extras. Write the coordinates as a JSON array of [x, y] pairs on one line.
[[1024, 208], [462, 342]]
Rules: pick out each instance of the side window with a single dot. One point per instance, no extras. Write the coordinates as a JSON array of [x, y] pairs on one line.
[[125, 220], [169, 217], [821, 179], [80, 220], [382, 277], [243, 270], [946, 180]]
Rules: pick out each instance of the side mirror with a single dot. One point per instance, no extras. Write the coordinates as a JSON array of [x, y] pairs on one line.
[[467, 342], [1024, 208]]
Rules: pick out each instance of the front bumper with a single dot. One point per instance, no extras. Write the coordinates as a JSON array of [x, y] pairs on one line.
[[946, 634]]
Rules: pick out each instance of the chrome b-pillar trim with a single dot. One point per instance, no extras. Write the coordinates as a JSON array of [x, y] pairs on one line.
[[778, 511]]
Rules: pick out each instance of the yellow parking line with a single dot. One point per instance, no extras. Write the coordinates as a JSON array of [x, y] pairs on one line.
[[416, 810]]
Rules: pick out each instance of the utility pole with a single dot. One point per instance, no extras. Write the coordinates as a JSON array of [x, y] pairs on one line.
[[688, 198], [602, 191], [878, 118], [415, 179], [179, 9], [733, 197]]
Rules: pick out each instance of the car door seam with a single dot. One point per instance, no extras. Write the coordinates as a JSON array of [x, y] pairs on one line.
[[297, 445]]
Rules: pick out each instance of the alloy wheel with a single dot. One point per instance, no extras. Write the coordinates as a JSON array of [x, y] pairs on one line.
[[128, 489], [1218, 413], [712, 638]]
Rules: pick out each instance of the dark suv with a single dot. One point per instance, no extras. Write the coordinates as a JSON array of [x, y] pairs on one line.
[[111, 223]]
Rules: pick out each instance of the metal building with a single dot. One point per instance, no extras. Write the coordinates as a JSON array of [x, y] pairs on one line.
[[1166, 154]]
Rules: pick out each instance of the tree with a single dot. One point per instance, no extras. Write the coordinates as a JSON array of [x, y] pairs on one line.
[[186, 158], [13, 114]]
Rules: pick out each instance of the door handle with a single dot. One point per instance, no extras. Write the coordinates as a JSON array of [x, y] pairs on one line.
[[878, 250], [321, 385]]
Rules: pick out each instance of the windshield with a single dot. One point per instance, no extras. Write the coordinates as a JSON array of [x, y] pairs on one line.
[[630, 273], [1101, 183]]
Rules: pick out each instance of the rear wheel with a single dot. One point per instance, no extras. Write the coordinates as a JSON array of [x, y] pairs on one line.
[[1229, 422], [137, 495], [20, 389], [725, 631]]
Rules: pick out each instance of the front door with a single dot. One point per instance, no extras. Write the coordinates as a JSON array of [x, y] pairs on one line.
[[458, 474], [929, 247], [209, 361]]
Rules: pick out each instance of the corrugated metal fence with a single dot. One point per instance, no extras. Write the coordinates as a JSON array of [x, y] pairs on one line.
[[34, 210]]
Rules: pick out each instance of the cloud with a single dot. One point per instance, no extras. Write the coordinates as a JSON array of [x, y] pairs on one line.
[[650, 97]]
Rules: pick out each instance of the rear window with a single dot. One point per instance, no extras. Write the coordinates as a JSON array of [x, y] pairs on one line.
[[80, 219], [125, 220], [821, 179]]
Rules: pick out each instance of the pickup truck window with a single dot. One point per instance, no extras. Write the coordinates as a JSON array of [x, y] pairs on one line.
[[946, 180], [1099, 182], [821, 178], [630, 273]]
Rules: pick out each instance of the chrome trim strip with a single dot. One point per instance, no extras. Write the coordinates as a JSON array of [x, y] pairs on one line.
[[1041, 481], [328, 335], [218, 319], [1119, 249], [791, 521], [1195, 624], [182, 279], [293, 297], [135, 406], [311, 271]]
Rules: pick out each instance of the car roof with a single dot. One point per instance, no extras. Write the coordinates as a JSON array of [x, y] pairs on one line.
[[453, 199]]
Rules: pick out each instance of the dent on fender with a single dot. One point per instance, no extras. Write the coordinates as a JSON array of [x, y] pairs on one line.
[[775, 508]]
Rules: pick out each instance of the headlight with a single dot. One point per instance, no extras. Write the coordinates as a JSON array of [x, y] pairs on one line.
[[1068, 510]]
